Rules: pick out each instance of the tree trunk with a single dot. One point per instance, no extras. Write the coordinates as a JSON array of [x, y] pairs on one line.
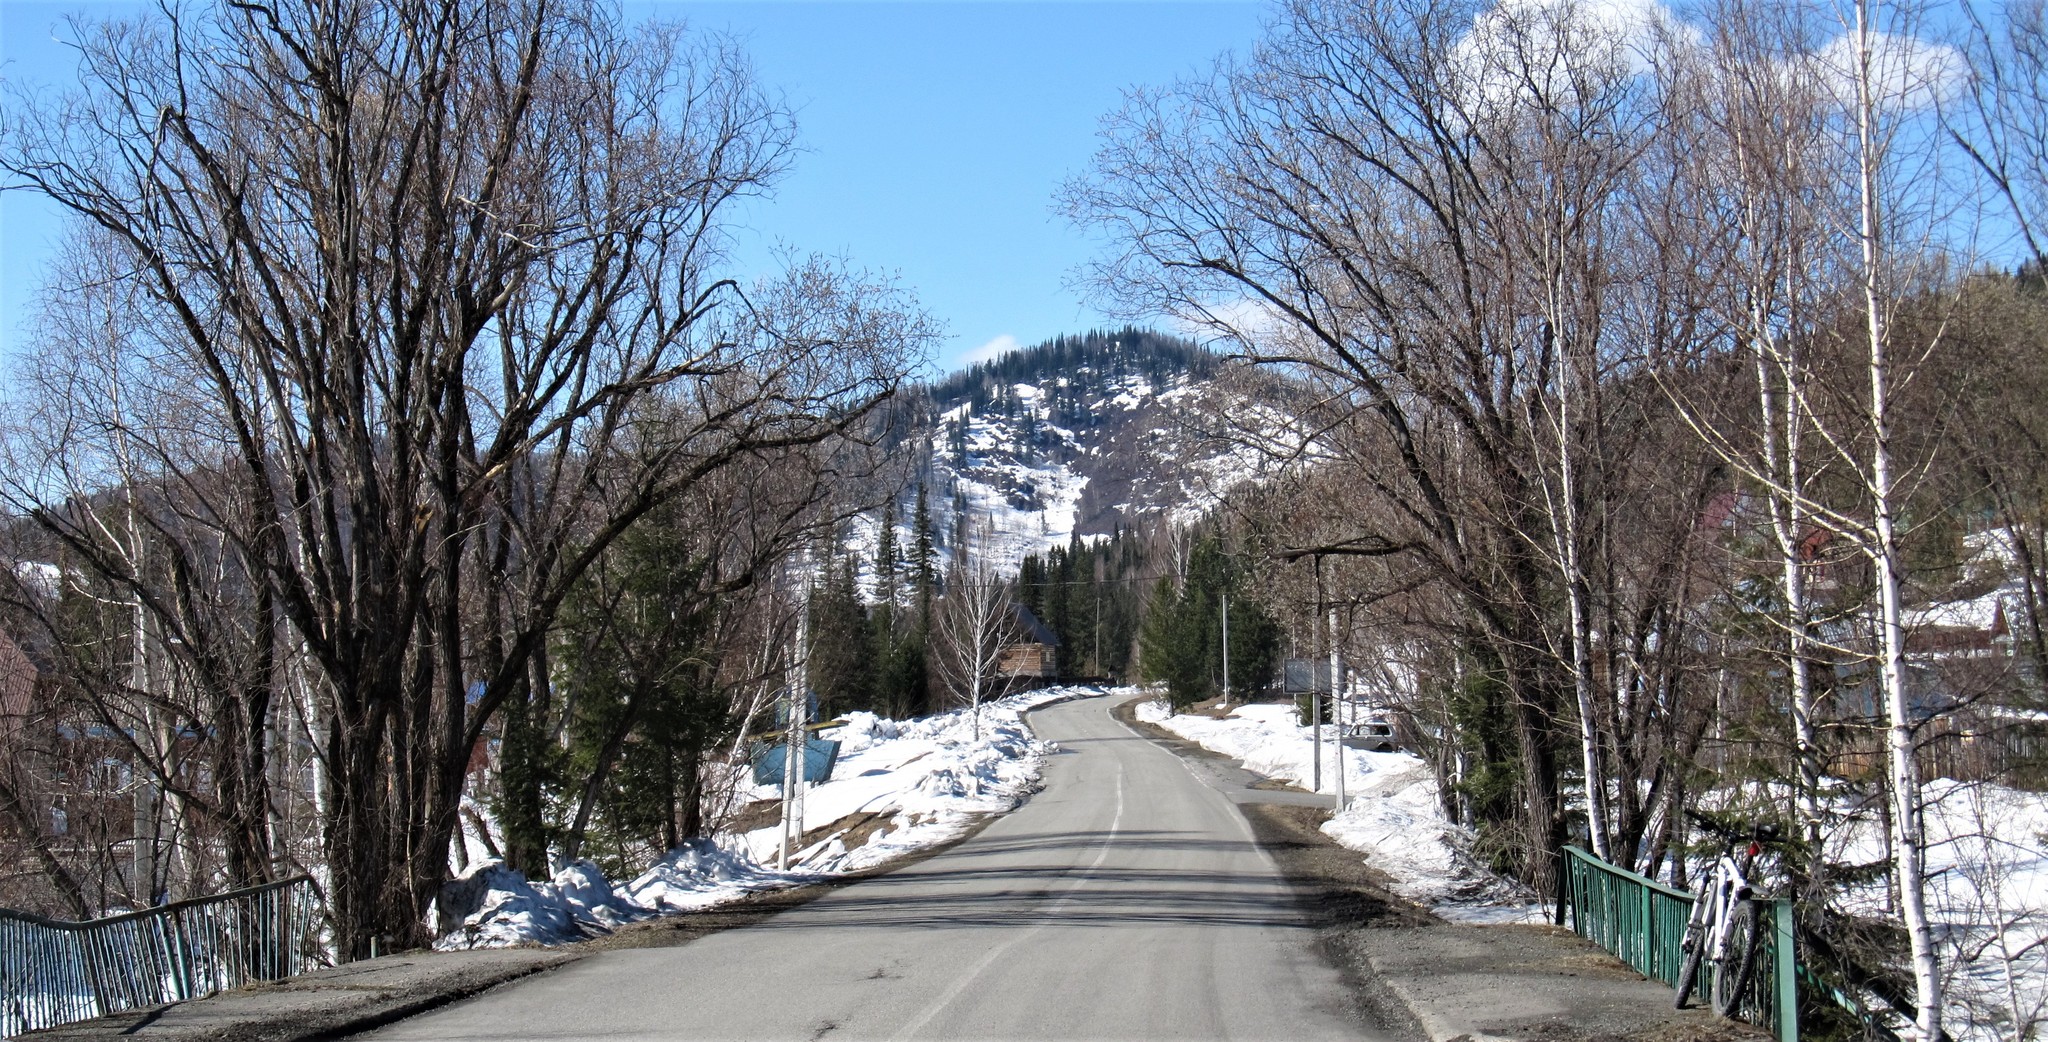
[[1899, 731]]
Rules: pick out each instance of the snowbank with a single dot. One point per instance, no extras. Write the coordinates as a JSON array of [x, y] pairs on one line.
[[930, 778], [1392, 814], [912, 784], [1987, 868]]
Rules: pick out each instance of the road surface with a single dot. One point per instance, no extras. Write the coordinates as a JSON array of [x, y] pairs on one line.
[[1127, 900]]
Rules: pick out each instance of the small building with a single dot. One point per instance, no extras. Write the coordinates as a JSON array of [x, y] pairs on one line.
[[1034, 653], [17, 684]]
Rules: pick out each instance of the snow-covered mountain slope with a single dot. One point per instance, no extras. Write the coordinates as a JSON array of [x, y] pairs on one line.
[[1077, 436]]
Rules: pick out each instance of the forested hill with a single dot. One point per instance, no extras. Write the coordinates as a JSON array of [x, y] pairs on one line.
[[1080, 435], [1094, 361]]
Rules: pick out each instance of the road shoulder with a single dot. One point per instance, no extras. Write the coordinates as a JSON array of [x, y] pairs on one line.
[[1428, 979]]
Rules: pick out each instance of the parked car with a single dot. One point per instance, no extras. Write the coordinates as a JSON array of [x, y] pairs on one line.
[[1372, 735]]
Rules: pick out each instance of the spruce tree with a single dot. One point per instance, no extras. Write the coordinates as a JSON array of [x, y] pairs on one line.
[[841, 655], [1170, 648], [926, 558], [886, 564], [633, 661]]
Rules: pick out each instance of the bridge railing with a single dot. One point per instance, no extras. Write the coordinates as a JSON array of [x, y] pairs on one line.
[[55, 972], [1643, 922]]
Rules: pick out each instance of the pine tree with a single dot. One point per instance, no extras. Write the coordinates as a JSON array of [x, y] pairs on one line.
[[886, 564], [1171, 648], [926, 558], [842, 653]]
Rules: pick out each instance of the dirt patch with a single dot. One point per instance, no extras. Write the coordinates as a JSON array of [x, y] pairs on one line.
[[853, 830], [756, 815]]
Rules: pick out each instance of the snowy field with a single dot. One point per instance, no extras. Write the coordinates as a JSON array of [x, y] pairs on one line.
[[921, 782], [1392, 815], [1987, 866]]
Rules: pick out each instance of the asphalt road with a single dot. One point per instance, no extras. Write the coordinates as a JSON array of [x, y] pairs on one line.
[[1125, 901]]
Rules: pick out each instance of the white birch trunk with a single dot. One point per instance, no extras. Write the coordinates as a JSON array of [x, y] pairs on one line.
[[1903, 768], [1565, 535], [1781, 439]]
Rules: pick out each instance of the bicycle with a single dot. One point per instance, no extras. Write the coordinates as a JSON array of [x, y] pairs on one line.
[[1725, 927]]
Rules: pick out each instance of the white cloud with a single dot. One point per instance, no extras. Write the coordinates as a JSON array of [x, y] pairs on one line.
[[1906, 73], [1522, 51], [1242, 319], [991, 351]]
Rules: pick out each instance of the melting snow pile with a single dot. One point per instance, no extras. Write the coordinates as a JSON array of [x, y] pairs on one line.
[[1393, 815], [906, 784], [699, 874]]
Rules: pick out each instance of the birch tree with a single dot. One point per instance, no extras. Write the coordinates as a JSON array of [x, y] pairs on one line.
[[1760, 169], [1882, 82], [974, 622]]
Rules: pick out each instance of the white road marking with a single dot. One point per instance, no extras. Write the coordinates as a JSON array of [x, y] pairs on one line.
[[1101, 855]]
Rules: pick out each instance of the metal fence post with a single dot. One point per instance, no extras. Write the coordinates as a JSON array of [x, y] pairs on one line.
[[1786, 964]]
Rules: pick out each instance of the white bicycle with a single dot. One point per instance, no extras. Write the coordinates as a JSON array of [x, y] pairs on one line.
[[1726, 926]]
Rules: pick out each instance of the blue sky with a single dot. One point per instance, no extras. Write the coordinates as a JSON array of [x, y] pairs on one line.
[[934, 132]]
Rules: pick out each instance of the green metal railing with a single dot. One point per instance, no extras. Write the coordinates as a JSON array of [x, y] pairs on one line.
[[1643, 921], [55, 972]]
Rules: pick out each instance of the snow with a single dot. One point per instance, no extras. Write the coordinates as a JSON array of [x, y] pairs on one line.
[[702, 873], [1392, 814], [1972, 613], [1989, 556], [40, 577], [1987, 868], [515, 911], [1018, 498], [930, 779]]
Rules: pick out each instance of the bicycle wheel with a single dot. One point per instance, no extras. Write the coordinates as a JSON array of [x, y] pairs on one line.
[[1694, 947], [1738, 959]]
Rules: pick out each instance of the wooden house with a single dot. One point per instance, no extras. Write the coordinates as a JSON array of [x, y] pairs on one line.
[[1033, 654]]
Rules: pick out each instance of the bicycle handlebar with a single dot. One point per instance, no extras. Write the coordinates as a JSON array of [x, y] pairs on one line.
[[1764, 831]]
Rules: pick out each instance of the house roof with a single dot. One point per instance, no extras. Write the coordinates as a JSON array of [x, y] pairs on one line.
[[1032, 630]]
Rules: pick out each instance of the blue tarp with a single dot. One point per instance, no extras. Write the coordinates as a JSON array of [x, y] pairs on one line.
[[820, 754]]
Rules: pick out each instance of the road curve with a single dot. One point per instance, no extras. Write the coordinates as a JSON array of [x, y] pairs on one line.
[[1126, 901]]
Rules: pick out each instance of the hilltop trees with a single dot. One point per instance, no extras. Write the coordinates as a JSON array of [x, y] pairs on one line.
[[386, 321]]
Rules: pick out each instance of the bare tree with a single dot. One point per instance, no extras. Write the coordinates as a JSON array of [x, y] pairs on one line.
[[2001, 122], [409, 271], [2001, 118], [1757, 168], [1422, 206], [974, 622]]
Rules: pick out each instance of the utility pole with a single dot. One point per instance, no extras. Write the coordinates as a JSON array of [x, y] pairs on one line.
[[1336, 686], [1226, 650], [1315, 686], [795, 709]]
